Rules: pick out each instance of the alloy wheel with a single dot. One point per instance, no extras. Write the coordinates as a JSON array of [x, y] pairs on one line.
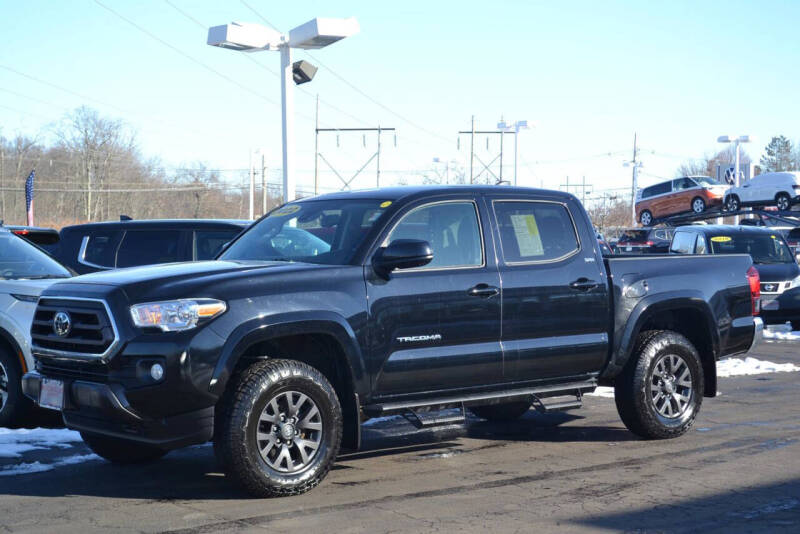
[[646, 218], [3, 387], [671, 388], [698, 206], [783, 203], [289, 432]]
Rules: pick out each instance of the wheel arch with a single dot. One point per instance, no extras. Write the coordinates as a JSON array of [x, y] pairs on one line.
[[323, 340], [686, 313], [8, 342]]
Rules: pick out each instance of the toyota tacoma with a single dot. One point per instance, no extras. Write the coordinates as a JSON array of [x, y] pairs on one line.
[[334, 309]]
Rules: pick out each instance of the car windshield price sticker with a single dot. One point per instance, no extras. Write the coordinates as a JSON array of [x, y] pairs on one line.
[[286, 210], [721, 239], [527, 233]]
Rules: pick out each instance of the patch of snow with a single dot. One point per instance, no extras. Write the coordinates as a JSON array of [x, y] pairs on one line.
[[38, 467], [751, 366], [15, 442], [781, 334], [603, 391]]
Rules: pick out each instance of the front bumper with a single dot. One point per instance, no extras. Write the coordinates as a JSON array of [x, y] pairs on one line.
[[103, 408]]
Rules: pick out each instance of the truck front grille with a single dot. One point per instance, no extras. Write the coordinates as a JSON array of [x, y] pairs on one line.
[[90, 329]]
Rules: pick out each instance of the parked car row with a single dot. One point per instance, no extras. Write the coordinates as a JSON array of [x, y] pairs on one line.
[[696, 194]]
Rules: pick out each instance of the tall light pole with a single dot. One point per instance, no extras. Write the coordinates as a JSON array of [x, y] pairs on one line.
[[515, 127], [636, 164], [314, 34], [736, 142]]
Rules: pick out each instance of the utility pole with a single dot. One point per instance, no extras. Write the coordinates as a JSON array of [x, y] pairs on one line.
[[501, 160], [472, 150], [378, 174], [263, 184], [634, 181], [316, 150], [252, 187]]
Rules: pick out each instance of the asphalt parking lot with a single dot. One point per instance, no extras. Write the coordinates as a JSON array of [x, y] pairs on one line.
[[737, 470]]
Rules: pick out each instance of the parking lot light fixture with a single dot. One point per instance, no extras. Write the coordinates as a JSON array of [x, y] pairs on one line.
[[314, 34]]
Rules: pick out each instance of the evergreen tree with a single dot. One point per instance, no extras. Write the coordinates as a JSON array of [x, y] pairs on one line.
[[778, 156]]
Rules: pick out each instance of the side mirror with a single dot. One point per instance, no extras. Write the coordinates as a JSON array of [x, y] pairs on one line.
[[402, 254]]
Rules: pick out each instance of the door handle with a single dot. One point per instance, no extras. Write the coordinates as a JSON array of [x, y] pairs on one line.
[[483, 290], [583, 284]]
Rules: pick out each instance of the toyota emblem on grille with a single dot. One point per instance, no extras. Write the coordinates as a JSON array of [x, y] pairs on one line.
[[62, 323], [770, 287]]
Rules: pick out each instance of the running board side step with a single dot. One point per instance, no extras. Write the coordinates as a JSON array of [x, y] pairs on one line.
[[424, 420], [573, 389], [559, 406]]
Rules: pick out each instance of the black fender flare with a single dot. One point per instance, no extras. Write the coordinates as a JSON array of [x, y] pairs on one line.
[[647, 308], [302, 322]]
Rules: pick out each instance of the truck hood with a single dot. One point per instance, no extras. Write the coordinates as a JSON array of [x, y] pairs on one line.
[[777, 272], [179, 280]]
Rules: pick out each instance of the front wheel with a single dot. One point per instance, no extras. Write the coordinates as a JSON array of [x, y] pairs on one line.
[[646, 218], [14, 405], [660, 392], [698, 205], [121, 451], [280, 429], [783, 202]]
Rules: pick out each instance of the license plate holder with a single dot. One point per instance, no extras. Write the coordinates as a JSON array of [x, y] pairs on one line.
[[51, 394], [768, 303]]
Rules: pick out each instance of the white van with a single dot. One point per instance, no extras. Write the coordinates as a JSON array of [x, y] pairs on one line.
[[780, 189]]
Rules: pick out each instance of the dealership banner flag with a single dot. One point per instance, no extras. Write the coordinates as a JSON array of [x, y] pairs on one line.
[[29, 196]]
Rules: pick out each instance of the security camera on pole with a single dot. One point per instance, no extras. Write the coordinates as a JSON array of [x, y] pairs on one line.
[[316, 33]]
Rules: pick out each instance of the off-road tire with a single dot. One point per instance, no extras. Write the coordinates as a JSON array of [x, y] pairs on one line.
[[238, 422], [16, 407], [121, 451], [508, 411], [648, 218], [632, 392]]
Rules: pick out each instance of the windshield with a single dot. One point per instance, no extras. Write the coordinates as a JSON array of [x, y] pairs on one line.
[[763, 248], [21, 260], [325, 232], [705, 181]]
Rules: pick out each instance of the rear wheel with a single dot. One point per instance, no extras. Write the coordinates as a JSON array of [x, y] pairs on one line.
[[783, 202], [14, 405], [732, 203], [660, 392], [280, 429], [502, 412], [698, 205], [646, 218], [121, 451]]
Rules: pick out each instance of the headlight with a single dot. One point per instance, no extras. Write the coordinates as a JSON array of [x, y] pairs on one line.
[[176, 315]]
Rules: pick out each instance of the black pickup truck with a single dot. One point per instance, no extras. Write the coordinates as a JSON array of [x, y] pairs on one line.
[[342, 307]]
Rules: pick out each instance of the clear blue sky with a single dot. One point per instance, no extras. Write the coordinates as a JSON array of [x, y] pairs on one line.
[[588, 73]]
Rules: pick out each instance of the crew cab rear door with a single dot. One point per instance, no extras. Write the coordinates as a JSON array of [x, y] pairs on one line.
[[437, 327], [556, 308]]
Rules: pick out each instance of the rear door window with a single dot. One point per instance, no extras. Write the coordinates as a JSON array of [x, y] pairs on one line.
[[99, 249], [209, 243], [700, 247], [682, 243], [535, 231], [149, 247]]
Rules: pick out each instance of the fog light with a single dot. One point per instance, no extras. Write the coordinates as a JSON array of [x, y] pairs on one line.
[[157, 372]]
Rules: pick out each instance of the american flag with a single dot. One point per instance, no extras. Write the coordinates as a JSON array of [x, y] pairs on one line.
[[29, 196]]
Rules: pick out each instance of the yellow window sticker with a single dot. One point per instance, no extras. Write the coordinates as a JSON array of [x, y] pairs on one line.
[[286, 210], [526, 232], [386, 204], [721, 239]]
